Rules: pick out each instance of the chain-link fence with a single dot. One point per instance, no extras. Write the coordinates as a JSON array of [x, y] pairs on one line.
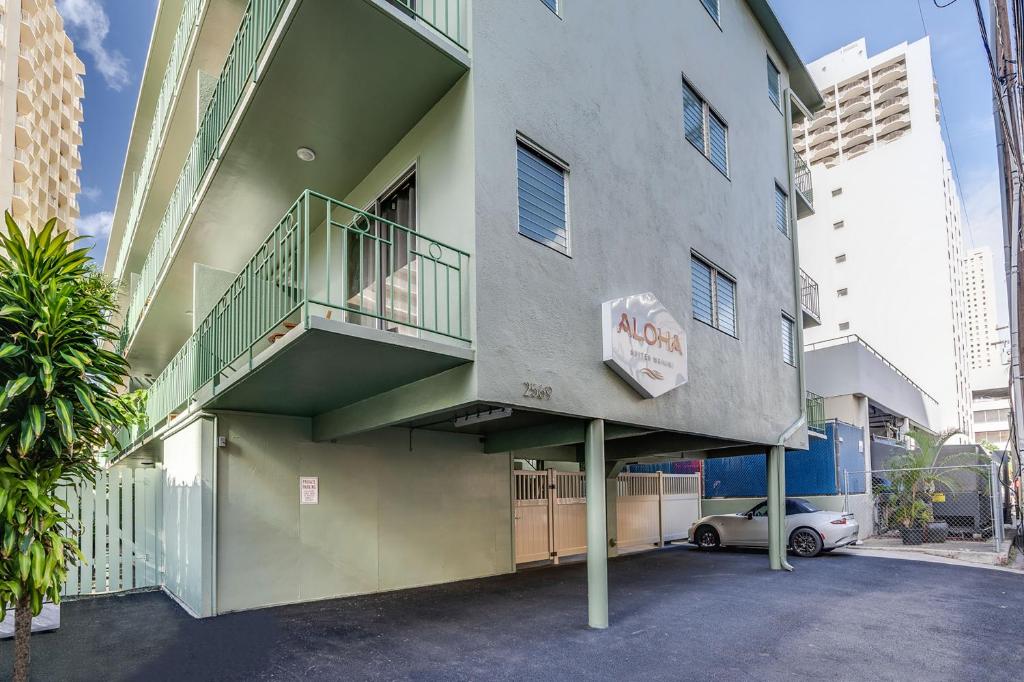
[[930, 505]]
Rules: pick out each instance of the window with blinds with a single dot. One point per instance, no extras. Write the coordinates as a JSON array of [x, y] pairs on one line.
[[712, 7], [774, 85], [788, 340], [705, 129], [714, 296], [543, 215], [781, 211]]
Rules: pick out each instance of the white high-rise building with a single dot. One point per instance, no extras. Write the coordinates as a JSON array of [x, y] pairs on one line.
[[983, 345], [41, 93], [885, 242]]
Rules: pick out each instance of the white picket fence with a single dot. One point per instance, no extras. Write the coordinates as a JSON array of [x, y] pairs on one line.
[[116, 522]]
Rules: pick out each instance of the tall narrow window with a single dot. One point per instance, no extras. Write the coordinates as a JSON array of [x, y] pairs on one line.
[[781, 210], [788, 339], [712, 7], [714, 296], [705, 129], [693, 117], [774, 85], [718, 140], [543, 214]]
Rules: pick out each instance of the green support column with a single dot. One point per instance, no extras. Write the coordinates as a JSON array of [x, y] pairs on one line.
[[777, 509], [597, 540]]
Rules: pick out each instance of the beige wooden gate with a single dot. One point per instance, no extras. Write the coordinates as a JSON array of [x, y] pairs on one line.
[[551, 511]]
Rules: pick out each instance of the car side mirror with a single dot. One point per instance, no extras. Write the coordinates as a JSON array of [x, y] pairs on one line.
[[750, 516]]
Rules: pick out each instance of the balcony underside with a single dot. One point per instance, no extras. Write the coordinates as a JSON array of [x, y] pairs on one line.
[[809, 318], [294, 375], [804, 207], [348, 79]]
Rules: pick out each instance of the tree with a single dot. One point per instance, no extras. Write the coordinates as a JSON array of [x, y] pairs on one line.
[[61, 399]]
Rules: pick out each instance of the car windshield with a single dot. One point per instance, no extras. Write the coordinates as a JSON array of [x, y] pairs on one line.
[[805, 506]]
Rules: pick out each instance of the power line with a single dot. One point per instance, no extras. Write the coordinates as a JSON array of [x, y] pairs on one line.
[[945, 133]]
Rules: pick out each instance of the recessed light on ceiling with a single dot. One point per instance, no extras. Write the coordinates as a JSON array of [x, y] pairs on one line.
[[305, 154]]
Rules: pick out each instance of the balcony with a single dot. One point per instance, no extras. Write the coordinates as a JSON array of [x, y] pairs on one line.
[[856, 104], [22, 165], [284, 54], [891, 123], [815, 412], [888, 74], [809, 301], [854, 121], [822, 134], [337, 305], [891, 90], [884, 109], [821, 151], [853, 89], [802, 184]]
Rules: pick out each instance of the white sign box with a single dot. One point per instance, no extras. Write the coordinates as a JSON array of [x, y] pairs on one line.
[[309, 490], [644, 344]]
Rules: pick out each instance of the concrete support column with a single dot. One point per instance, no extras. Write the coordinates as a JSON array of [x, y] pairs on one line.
[[597, 542], [777, 509]]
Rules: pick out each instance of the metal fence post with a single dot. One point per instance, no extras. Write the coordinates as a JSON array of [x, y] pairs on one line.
[[997, 518], [846, 491], [661, 510]]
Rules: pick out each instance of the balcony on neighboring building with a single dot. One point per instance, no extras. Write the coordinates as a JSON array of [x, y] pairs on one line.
[[334, 291], [815, 412], [888, 74], [802, 184], [809, 301]]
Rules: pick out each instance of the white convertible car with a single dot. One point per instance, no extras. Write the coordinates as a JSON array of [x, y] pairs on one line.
[[811, 531]]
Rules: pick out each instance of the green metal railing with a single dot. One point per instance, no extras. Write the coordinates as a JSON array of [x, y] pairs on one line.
[[802, 177], [329, 259], [239, 68], [815, 412], [190, 14], [446, 16]]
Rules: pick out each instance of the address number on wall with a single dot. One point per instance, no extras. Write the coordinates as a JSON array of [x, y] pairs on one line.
[[536, 391]]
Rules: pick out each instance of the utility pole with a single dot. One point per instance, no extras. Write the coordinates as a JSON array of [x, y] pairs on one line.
[[1003, 46]]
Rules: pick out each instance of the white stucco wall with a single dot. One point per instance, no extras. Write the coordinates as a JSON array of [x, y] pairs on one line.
[[389, 516]]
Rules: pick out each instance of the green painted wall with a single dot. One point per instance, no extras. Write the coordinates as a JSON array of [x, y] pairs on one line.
[[388, 517]]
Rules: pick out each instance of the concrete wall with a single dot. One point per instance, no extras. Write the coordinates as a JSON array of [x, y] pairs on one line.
[[187, 515], [600, 87], [390, 516], [860, 505]]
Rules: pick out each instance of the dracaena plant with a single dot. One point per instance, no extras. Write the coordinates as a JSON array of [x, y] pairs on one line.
[[61, 399]]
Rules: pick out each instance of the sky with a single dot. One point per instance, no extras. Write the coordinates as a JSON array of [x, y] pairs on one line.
[[111, 37]]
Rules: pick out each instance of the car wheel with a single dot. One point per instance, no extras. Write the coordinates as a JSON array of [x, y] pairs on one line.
[[707, 538], [805, 542]]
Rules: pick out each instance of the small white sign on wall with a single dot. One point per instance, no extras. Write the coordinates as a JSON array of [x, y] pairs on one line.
[[309, 490]]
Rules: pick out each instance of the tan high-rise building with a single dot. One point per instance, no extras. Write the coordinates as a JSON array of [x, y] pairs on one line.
[[41, 93]]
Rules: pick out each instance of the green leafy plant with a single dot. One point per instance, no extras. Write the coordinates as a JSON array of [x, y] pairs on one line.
[[61, 399]]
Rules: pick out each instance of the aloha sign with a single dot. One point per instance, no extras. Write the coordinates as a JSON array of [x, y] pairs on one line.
[[644, 344]]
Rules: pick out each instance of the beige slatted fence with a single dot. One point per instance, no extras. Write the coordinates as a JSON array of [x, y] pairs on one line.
[[116, 529], [551, 511]]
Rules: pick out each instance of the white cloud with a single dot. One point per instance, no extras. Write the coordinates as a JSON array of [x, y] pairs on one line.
[[91, 25], [95, 224], [91, 193]]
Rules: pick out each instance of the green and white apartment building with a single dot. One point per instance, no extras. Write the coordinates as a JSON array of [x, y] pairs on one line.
[[376, 252]]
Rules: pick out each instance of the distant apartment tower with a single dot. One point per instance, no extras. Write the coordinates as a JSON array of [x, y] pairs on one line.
[[40, 114], [983, 346], [885, 241]]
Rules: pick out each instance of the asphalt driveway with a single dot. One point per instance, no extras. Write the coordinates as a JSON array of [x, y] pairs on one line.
[[676, 614]]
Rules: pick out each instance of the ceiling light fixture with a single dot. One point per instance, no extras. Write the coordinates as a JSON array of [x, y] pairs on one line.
[[305, 154]]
